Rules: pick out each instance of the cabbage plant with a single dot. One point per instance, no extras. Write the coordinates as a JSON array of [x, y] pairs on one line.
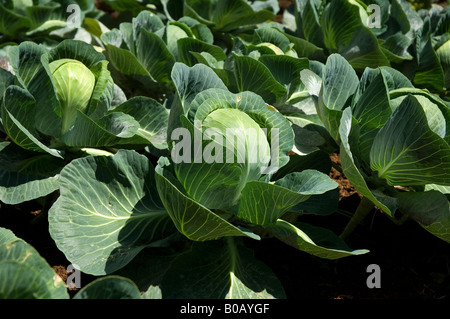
[[377, 33], [74, 84], [143, 51], [28, 276], [394, 141], [200, 203], [343, 26], [45, 22], [267, 55], [151, 47], [431, 69], [228, 16], [60, 104]]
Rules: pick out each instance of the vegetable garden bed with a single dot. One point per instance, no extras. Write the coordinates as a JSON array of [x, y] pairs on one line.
[[119, 178]]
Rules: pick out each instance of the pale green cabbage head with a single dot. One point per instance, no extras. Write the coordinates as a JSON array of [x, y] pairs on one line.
[[74, 84]]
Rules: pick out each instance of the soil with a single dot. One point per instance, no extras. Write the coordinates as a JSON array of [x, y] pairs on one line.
[[442, 3], [284, 5], [346, 189], [100, 5]]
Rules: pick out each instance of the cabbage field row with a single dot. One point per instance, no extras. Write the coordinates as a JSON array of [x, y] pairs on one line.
[[158, 140]]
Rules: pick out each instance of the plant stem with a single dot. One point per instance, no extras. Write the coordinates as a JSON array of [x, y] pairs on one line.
[[398, 221], [364, 208]]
